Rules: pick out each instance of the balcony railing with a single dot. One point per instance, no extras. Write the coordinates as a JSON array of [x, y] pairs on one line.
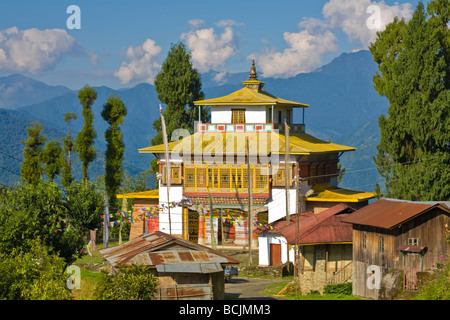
[[248, 127]]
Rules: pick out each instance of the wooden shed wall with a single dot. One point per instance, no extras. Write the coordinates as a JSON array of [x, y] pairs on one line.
[[428, 228]]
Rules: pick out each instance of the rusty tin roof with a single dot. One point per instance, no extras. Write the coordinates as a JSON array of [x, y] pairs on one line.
[[322, 227], [388, 214], [316, 228], [167, 254]]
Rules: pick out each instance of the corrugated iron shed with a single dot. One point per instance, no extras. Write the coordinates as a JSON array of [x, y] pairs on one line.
[[388, 214], [167, 254]]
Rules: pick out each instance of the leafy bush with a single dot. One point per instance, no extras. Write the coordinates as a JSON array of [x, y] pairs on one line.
[[131, 283], [341, 288], [439, 286], [33, 275]]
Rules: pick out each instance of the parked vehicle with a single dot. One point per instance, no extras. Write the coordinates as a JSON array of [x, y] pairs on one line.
[[230, 272]]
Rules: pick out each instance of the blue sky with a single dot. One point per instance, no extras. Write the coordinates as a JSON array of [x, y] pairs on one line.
[[123, 43]]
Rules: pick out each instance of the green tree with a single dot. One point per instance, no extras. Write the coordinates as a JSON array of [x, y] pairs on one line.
[[53, 159], [69, 148], [178, 85], [86, 205], [131, 283], [33, 275], [31, 169], [38, 211], [114, 112], [414, 150], [84, 141]]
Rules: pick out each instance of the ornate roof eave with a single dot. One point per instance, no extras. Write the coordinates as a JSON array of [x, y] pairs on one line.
[[251, 94]]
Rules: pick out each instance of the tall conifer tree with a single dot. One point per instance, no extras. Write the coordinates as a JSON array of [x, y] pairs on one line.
[[414, 150], [178, 85], [31, 169], [85, 139], [52, 157], [114, 112], [69, 148]]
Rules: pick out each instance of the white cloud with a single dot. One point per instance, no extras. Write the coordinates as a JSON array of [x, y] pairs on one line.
[[196, 23], [304, 52], [351, 17], [307, 47], [143, 65], [33, 50], [209, 50]]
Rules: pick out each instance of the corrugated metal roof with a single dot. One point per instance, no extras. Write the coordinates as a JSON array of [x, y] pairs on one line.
[[315, 228], [387, 213], [167, 252], [261, 143], [322, 227]]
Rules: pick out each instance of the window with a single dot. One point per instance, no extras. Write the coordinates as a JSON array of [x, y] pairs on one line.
[[288, 116], [201, 177], [189, 177], [236, 178], [175, 173], [413, 241], [224, 177], [278, 179], [261, 178], [279, 117], [213, 177], [238, 116], [381, 244]]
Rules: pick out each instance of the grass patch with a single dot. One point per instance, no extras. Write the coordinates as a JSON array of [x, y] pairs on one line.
[[89, 280], [289, 293]]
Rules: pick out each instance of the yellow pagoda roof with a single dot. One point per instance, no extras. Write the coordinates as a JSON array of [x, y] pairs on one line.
[[259, 142], [330, 193], [149, 194], [249, 97]]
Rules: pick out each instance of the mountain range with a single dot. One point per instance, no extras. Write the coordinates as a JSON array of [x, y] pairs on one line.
[[343, 107]]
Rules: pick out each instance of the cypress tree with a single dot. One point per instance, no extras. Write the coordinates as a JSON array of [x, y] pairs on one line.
[[114, 112], [53, 158], [414, 150], [85, 139], [178, 85], [69, 148], [31, 168]]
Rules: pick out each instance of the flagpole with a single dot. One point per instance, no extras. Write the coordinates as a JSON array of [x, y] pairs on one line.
[[166, 150]]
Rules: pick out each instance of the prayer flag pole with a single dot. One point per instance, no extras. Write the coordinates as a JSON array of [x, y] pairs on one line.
[[166, 150]]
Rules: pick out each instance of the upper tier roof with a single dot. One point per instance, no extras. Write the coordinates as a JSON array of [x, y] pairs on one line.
[[251, 95]]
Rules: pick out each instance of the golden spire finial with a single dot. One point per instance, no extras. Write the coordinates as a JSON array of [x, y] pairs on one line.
[[253, 75]]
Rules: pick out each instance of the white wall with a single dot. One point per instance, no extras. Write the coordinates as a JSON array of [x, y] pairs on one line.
[[277, 205], [220, 114], [176, 214], [264, 241], [223, 114], [255, 114]]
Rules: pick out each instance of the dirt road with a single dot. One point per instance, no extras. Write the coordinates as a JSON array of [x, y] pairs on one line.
[[249, 288]]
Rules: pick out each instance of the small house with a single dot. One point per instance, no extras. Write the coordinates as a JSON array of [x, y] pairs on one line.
[[324, 243], [185, 270], [396, 234]]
